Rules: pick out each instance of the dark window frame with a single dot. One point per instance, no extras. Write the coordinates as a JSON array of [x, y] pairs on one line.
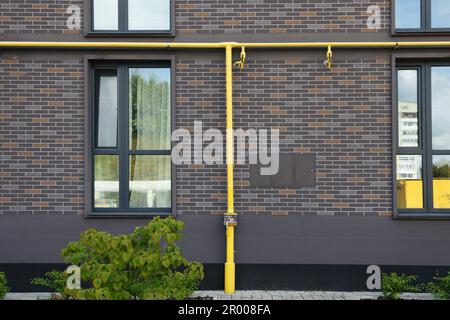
[[425, 21], [122, 63], [425, 135], [123, 22]]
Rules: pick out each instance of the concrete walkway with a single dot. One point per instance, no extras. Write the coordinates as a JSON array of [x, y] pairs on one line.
[[259, 295], [302, 295]]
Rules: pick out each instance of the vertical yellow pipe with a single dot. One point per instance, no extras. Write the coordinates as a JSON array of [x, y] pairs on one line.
[[229, 265]]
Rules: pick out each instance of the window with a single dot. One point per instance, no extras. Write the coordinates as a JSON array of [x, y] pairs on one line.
[[422, 154], [131, 140], [422, 16], [131, 16]]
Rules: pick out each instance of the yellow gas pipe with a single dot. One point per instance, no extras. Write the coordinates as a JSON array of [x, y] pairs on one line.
[[230, 223], [230, 215]]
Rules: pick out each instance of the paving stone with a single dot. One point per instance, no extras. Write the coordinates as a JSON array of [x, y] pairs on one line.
[[260, 295]]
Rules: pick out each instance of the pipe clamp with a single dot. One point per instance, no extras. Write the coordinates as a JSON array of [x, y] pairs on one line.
[[230, 220]]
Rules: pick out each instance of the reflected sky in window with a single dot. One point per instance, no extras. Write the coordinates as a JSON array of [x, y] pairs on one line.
[[440, 13], [407, 86], [149, 14], [106, 15], [407, 14], [440, 93]]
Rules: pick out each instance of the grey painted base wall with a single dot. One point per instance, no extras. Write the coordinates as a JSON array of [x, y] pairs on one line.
[[251, 276], [259, 239]]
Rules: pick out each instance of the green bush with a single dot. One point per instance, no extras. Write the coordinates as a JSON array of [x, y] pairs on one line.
[[54, 280], [3, 286], [441, 288], [145, 264], [392, 285]]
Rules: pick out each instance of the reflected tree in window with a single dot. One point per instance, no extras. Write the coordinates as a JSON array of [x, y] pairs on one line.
[[150, 130]]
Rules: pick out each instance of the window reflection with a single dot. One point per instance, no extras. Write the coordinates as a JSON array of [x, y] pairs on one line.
[[106, 15], [440, 13], [106, 112], [407, 109], [148, 15], [409, 182], [106, 181], [150, 182], [441, 182], [440, 105], [407, 14], [149, 99]]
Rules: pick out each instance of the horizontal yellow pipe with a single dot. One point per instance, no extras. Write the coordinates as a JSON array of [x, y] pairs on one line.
[[391, 44], [101, 45], [217, 45]]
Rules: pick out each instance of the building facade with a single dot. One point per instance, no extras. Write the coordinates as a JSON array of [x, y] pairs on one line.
[[86, 135]]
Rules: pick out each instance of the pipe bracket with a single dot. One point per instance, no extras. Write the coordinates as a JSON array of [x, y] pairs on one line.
[[241, 63], [329, 62], [230, 220]]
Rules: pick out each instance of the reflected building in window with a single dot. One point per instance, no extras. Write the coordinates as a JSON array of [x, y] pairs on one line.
[[409, 167], [409, 182], [408, 124]]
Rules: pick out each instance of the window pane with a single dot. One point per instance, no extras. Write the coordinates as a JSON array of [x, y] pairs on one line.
[[440, 107], [106, 14], [407, 109], [440, 14], [148, 14], [150, 182], [149, 99], [409, 182], [441, 182], [106, 177], [106, 110], [407, 14]]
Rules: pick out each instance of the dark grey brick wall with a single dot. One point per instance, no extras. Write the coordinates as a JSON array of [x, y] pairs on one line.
[[343, 116], [213, 16], [277, 16], [36, 16], [41, 136]]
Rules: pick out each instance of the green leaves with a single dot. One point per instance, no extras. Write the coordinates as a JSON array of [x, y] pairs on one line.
[[145, 264], [441, 287], [3, 285], [97, 283], [54, 280], [392, 285]]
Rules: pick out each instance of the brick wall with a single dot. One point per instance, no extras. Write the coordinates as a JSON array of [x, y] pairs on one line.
[[213, 16], [277, 16], [343, 115], [41, 136], [36, 16]]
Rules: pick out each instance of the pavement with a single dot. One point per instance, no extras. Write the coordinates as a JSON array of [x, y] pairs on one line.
[[260, 295]]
